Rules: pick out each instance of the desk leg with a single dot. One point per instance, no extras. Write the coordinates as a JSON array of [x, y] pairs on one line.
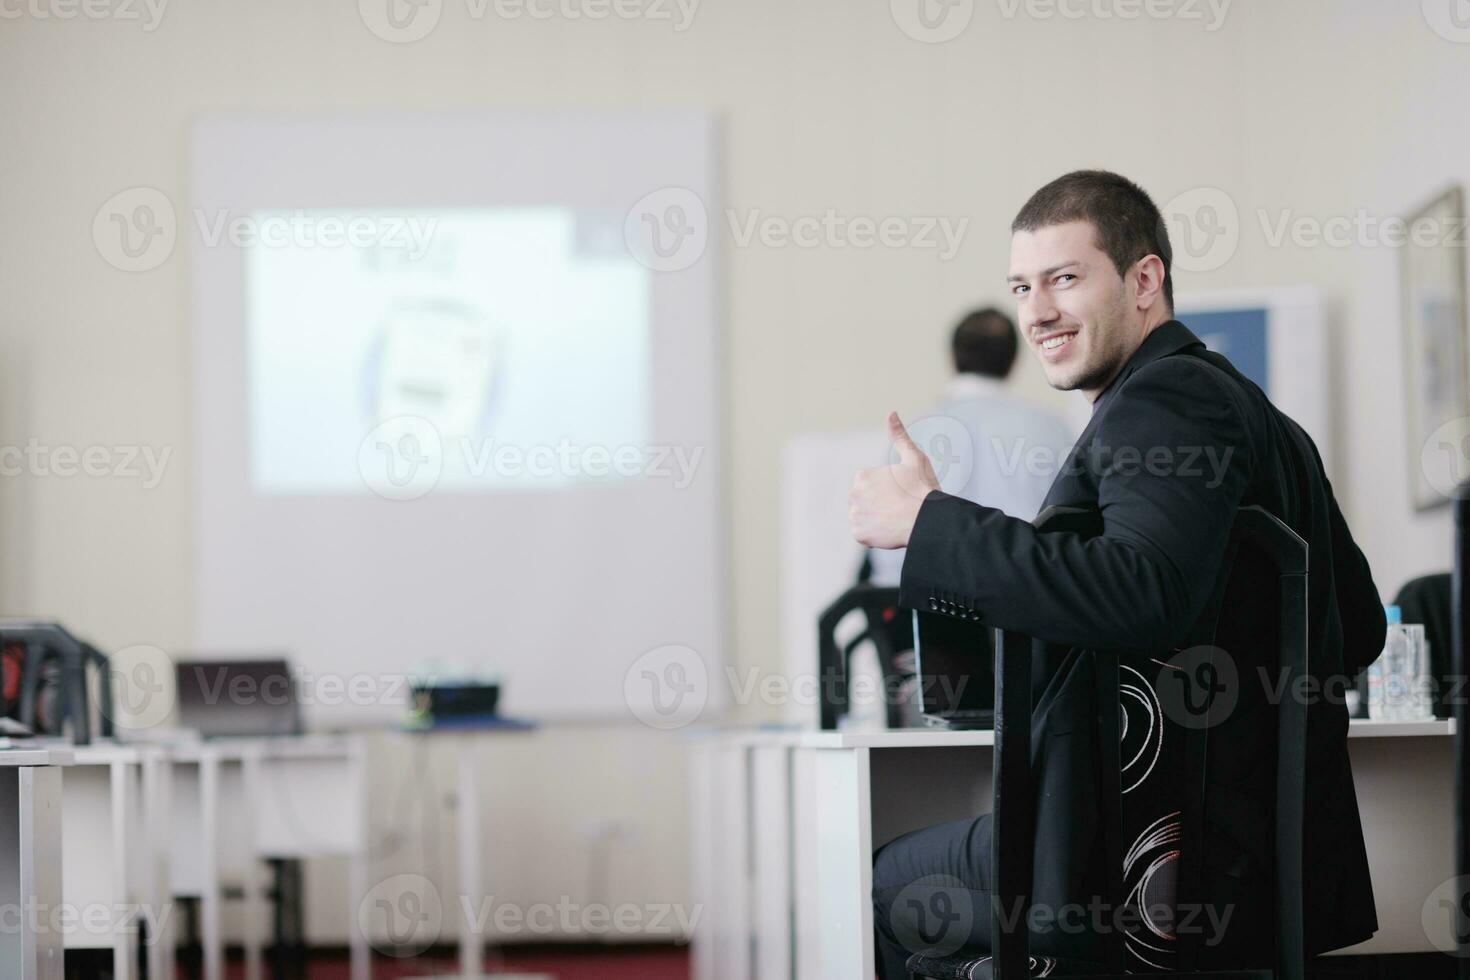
[[806, 868], [157, 806], [32, 869], [357, 870], [471, 943], [845, 862], [771, 852], [209, 898], [733, 928], [253, 906], [125, 938], [704, 880]]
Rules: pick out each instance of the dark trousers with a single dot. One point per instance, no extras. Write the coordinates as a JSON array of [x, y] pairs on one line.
[[933, 893]]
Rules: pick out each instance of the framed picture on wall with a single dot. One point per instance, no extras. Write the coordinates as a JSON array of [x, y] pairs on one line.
[[1436, 382]]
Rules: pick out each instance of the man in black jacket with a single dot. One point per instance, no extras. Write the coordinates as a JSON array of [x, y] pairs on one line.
[[1178, 441]]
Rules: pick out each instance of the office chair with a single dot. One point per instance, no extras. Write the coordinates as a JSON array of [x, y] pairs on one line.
[[1426, 600], [891, 634], [54, 669], [106, 723], [1014, 821]]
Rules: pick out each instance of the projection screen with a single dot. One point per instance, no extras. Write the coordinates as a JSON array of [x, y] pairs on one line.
[[457, 403]]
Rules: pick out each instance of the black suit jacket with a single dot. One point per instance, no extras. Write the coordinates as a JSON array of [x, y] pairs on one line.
[[1177, 443]]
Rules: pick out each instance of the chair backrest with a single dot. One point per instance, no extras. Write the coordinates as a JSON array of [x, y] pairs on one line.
[[1013, 817], [1426, 600], [879, 606], [44, 640]]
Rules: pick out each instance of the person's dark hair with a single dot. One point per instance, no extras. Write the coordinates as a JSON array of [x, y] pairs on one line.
[[1128, 224], [985, 343]]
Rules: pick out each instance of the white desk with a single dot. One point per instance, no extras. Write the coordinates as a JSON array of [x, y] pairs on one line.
[[720, 840], [110, 881], [31, 860], [233, 803], [849, 793], [742, 867], [467, 742]]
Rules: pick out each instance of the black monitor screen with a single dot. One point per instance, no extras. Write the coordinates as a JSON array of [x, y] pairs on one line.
[[955, 663], [237, 697]]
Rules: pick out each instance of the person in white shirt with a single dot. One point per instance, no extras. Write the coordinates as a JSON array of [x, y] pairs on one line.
[[1015, 447]]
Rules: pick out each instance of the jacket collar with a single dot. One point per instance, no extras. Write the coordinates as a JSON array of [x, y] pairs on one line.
[[1169, 337]]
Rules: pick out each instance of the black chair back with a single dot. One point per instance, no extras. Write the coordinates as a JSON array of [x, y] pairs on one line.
[[889, 630], [1013, 817], [1426, 600], [48, 646]]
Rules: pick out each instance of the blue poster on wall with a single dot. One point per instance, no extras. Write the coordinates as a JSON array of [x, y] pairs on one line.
[[1239, 335]]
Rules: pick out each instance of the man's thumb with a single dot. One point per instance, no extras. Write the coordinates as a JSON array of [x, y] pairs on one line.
[[908, 451]]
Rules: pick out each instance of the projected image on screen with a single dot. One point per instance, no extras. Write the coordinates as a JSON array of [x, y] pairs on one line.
[[510, 345]]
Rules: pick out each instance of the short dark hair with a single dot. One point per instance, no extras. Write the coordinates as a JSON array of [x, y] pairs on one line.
[[985, 343], [1128, 224]]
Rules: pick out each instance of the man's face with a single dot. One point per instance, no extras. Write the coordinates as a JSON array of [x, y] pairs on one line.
[[1077, 314]]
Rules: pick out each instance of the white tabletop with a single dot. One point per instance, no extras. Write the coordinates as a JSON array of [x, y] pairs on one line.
[[104, 754], [188, 746], [1363, 728], [36, 755], [287, 746]]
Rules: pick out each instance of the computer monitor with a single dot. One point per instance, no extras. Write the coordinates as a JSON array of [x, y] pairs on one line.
[[220, 698], [954, 661]]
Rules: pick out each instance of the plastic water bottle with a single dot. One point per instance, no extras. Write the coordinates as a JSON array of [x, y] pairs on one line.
[[1428, 689], [1398, 681]]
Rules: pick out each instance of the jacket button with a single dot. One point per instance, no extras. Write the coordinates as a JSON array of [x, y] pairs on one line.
[[933, 603]]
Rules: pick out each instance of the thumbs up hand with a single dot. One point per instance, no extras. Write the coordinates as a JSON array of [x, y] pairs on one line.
[[885, 500]]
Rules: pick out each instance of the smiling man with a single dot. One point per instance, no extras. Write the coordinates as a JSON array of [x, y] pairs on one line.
[[1178, 441]]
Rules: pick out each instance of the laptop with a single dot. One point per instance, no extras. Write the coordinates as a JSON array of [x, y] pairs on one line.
[[954, 663], [225, 698]]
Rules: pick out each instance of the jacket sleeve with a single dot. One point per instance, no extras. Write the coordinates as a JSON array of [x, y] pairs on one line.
[[1170, 460]]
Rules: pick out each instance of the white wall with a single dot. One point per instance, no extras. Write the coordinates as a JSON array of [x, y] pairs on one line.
[[1322, 107]]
